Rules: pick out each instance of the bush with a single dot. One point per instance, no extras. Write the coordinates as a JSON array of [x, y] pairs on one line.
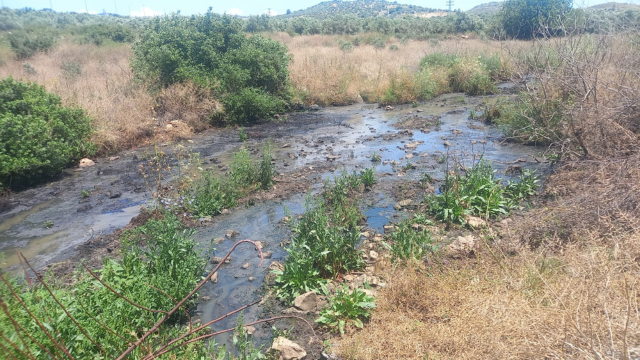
[[525, 19], [249, 74], [347, 308], [438, 59], [470, 76], [408, 243], [39, 136], [25, 44], [105, 33]]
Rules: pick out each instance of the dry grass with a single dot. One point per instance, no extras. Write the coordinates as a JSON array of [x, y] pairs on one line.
[[123, 112], [325, 75], [582, 303]]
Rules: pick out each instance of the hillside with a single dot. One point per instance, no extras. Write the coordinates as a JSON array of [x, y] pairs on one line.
[[615, 6], [360, 8], [489, 8]]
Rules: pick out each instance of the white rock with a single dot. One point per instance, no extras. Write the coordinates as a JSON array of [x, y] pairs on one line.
[[373, 255], [86, 163], [306, 302], [476, 222], [287, 349], [214, 277]]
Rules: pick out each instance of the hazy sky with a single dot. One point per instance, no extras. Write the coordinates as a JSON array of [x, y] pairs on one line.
[[240, 7]]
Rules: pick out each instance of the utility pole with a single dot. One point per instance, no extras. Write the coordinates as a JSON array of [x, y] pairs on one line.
[[50, 4], [269, 11], [450, 4], [115, 6], [86, 8]]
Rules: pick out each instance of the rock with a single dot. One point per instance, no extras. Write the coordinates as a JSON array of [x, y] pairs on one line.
[[514, 170], [218, 240], [114, 158], [251, 279], [287, 349], [225, 212], [84, 208], [246, 266], [214, 277], [348, 278], [232, 233], [405, 203], [276, 266], [206, 298], [267, 254], [286, 146], [369, 292], [86, 163], [418, 227], [285, 220], [420, 110], [306, 302], [114, 194], [447, 144], [476, 222], [389, 229], [218, 260], [463, 246], [378, 238], [259, 245], [402, 174], [249, 329], [314, 107], [373, 255], [389, 107], [409, 156]]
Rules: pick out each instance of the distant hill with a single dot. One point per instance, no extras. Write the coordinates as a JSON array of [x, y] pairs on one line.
[[490, 8], [615, 6], [361, 8]]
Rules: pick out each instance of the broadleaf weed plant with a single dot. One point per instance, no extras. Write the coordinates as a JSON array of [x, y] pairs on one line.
[[347, 308]]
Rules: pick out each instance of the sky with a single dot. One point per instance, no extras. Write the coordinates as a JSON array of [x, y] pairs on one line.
[[237, 7]]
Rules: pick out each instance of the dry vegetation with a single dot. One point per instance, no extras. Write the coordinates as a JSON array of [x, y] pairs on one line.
[[99, 79], [324, 74], [561, 281]]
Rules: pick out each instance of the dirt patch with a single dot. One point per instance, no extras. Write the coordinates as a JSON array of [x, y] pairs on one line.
[[419, 121], [5, 202]]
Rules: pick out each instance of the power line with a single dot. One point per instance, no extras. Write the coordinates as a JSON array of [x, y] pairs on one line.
[[450, 4]]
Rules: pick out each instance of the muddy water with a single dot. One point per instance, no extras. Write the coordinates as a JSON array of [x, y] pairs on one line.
[[344, 138]]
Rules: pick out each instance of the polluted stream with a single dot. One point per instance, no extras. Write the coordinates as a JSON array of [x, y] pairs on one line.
[[47, 223]]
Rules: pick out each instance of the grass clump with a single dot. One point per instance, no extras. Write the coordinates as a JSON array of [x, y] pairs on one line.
[[347, 308], [39, 136], [324, 240], [479, 192], [211, 194], [411, 240], [25, 44]]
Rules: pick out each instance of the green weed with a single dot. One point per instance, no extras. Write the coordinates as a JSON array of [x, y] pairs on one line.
[[347, 308], [368, 177], [242, 135], [408, 243]]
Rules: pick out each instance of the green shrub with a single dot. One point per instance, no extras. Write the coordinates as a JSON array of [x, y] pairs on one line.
[[249, 74], [26, 44], [38, 136], [438, 59], [209, 195], [368, 177], [107, 33], [159, 255], [468, 75], [71, 69], [345, 45], [242, 135], [394, 47], [250, 104], [532, 121], [347, 308]]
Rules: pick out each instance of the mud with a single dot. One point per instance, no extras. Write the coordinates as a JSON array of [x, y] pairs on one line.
[[415, 146]]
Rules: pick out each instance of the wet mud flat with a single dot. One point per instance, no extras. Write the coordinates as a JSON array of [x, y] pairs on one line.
[[309, 148]]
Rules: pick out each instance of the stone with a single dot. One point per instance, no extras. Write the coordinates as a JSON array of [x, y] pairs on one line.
[[276, 266], [218, 260], [114, 158], [86, 163], [314, 107], [249, 329], [252, 279], [463, 246], [225, 212], [267, 254], [389, 107], [409, 156], [214, 277], [246, 266], [418, 227], [476, 222], [405, 203], [114, 194], [373, 255], [232, 233], [286, 146], [206, 298], [348, 278], [218, 240], [259, 245], [306, 302], [447, 144], [287, 349], [389, 229]]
